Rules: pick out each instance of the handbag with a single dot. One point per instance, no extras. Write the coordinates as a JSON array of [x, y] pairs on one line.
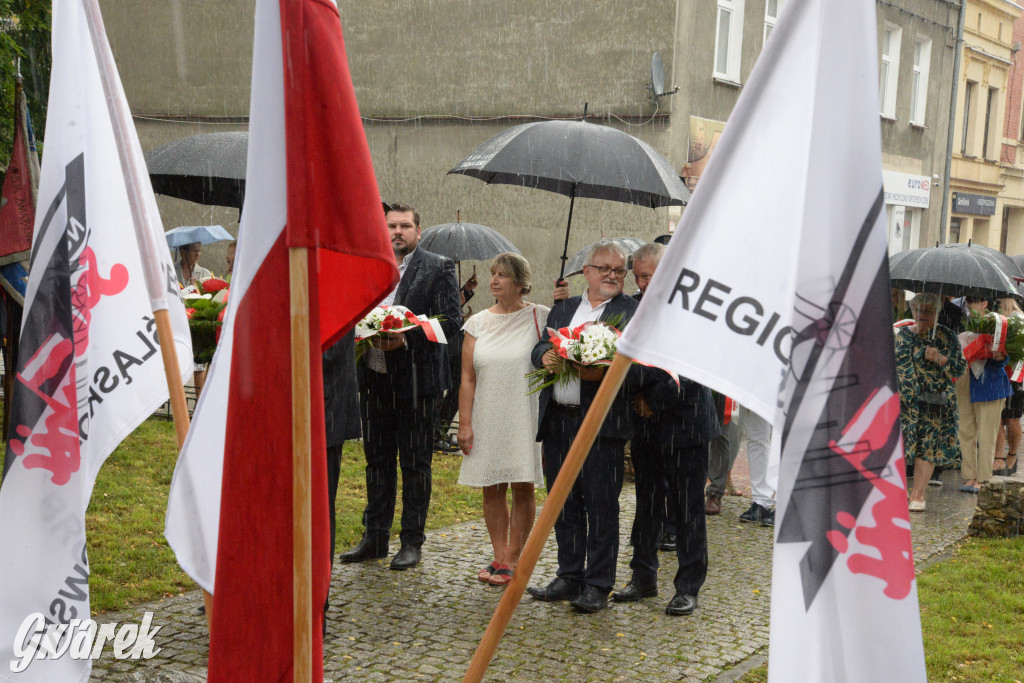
[[932, 402]]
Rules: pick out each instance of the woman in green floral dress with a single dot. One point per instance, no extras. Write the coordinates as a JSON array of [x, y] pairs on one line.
[[928, 360]]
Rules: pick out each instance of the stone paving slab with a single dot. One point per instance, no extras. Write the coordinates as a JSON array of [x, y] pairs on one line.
[[424, 624]]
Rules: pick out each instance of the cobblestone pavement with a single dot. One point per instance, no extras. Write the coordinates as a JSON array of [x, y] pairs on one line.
[[424, 624]]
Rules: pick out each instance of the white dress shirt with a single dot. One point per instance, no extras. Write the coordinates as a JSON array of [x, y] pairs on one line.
[[568, 393], [375, 357]]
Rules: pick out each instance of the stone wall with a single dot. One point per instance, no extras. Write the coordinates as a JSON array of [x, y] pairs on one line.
[[1000, 510]]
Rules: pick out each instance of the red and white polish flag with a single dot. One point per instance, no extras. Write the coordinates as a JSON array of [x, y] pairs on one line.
[[779, 265], [310, 184], [89, 369]]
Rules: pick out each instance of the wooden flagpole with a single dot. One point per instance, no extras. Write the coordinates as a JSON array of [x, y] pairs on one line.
[[302, 556], [135, 180], [549, 513]]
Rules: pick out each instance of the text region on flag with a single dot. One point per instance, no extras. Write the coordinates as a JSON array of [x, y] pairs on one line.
[[744, 315]]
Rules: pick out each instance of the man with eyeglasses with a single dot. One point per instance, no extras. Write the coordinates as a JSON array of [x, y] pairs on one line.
[[587, 530]]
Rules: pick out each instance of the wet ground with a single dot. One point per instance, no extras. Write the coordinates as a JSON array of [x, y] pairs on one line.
[[424, 624]]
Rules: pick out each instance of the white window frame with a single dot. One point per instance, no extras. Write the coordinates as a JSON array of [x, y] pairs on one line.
[[770, 19], [732, 51], [890, 69], [919, 85]]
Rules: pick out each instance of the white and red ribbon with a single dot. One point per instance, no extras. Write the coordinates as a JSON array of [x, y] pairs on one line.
[[431, 326]]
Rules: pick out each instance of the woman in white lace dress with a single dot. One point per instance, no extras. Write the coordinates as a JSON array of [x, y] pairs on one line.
[[497, 417]]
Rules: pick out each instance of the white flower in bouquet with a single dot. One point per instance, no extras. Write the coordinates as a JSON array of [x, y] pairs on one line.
[[596, 343]]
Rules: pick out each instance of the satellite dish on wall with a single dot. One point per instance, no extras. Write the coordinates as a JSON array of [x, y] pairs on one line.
[[658, 77]]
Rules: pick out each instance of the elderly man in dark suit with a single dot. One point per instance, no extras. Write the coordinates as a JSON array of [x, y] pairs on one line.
[[587, 530], [400, 381], [674, 428]]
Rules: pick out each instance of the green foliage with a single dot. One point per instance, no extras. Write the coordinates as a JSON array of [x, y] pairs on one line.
[[24, 34]]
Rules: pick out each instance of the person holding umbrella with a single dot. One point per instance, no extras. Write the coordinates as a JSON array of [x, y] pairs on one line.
[[187, 268], [928, 360]]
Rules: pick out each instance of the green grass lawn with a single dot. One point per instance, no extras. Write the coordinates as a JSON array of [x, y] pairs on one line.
[[971, 608], [131, 562]]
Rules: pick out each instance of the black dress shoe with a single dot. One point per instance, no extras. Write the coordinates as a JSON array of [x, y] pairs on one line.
[[559, 589], [681, 604], [592, 600], [366, 549], [668, 543], [406, 558], [635, 591]]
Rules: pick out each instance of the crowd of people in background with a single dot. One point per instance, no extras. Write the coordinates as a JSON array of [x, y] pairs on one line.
[[513, 440], [955, 411]]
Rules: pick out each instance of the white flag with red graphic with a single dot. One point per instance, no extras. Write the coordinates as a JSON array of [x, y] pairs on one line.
[[89, 369], [775, 291]]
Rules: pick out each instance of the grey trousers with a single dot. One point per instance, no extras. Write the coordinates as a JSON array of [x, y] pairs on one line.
[[722, 455]]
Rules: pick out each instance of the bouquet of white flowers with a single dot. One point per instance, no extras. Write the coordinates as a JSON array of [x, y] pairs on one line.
[[590, 344]]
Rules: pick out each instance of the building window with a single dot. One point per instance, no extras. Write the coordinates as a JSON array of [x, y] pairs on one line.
[[919, 91], [729, 40], [771, 15], [889, 77], [988, 143], [954, 231], [967, 128]]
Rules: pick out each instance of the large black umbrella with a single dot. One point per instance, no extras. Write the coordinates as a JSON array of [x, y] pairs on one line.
[[628, 244], [578, 159], [956, 270], [207, 168]]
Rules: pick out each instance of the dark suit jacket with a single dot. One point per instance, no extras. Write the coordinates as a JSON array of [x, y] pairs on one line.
[[619, 424], [684, 416], [429, 287], [341, 396]]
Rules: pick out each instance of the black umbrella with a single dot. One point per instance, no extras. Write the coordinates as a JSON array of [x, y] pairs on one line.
[[577, 159], [628, 244], [956, 270], [207, 169], [465, 241]]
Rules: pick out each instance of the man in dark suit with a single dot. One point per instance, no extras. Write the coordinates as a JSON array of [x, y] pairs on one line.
[[400, 381], [674, 425], [587, 529]]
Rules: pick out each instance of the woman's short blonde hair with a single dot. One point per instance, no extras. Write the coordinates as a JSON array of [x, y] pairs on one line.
[[925, 300], [515, 267]]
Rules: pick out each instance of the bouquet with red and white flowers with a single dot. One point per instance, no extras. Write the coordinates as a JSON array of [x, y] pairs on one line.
[[394, 320], [592, 344]]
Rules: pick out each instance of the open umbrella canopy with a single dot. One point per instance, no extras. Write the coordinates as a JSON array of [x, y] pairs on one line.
[[204, 234], [577, 159], [956, 270], [465, 241], [207, 168], [628, 244]]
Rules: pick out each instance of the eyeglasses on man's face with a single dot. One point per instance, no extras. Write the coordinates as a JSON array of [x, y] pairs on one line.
[[606, 270]]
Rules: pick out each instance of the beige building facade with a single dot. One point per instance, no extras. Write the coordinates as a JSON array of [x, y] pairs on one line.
[[980, 174]]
